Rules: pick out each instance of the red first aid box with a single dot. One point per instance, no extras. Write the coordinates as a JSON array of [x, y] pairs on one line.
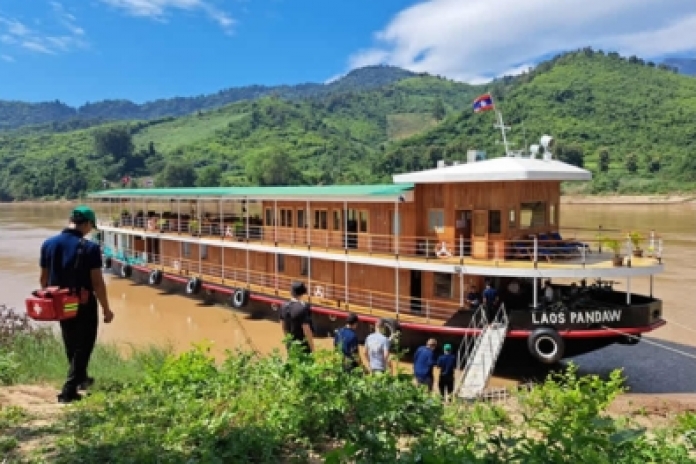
[[52, 304]]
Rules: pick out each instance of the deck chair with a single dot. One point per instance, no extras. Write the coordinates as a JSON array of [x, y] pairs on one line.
[[559, 247], [573, 243]]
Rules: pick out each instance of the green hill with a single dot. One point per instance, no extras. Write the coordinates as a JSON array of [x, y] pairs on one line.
[[641, 119], [14, 115]]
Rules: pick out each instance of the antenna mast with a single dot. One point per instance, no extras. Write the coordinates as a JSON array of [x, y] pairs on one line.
[[501, 125]]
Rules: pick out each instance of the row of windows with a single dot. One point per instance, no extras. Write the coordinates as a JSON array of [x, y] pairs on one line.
[[320, 220], [531, 215]]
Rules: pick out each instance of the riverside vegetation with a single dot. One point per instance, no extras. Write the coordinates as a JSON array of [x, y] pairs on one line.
[[627, 120], [154, 406]]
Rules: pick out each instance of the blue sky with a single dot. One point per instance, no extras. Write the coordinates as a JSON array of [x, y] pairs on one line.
[[88, 50]]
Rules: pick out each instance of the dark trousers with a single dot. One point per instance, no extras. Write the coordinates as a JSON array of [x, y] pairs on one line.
[[446, 384], [79, 337], [426, 382]]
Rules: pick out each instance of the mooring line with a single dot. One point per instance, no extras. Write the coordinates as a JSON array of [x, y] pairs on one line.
[[680, 325], [651, 342]]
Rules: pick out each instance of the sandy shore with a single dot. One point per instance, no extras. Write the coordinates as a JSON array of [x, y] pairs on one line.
[[627, 199]]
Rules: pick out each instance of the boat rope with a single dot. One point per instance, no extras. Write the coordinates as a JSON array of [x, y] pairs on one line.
[[244, 332], [680, 325], [652, 342]]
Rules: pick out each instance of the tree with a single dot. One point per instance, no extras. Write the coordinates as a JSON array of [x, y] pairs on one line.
[[604, 160], [114, 141], [177, 174], [209, 176], [570, 154], [439, 111], [631, 163], [274, 169]]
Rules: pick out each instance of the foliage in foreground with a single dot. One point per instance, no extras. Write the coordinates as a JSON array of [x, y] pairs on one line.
[[189, 408]]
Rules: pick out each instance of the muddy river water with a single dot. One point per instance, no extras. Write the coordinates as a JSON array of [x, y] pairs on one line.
[[664, 362]]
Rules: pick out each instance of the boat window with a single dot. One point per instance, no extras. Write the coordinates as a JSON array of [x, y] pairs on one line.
[[280, 262], [301, 219], [337, 224], [443, 285], [364, 219], [186, 249], [436, 220], [321, 220], [552, 215], [204, 251], [494, 226], [304, 266], [269, 217], [286, 218], [512, 219], [532, 215]]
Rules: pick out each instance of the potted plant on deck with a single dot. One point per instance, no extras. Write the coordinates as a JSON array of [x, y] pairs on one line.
[[615, 246], [194, 227], [636, 240], [162, 225]]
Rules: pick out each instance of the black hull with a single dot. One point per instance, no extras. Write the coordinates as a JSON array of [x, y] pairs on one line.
[[578, 337]]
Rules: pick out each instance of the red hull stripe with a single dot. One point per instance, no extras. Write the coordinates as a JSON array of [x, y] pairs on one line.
[[584, 333]]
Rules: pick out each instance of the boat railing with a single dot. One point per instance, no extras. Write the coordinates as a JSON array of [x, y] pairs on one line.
[[578, 247], [319, 291]]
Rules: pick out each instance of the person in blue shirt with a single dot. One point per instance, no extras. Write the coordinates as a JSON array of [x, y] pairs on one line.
[[68, 260], [473, 298], [346, 340], [490, 301], [447, 363], [423, 364]]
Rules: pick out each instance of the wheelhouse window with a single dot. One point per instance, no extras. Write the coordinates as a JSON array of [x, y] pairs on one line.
[[301, 219], [286, 218], [364, 219], [436, 220], [442, 285], [494, 222], [337, 223], [321, 219], [532, 215], [270, 217]]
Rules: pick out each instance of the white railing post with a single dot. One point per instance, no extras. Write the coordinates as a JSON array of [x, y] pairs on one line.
[[536, 251]]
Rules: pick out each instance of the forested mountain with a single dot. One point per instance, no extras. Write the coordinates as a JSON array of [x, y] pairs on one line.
[[632, 122], [684, 65], [17, 114]]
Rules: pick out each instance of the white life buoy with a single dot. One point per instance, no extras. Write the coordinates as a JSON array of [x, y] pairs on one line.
[[239, 298], [193, 286], [319, 291], [126, 271], [155, 277], [441, 250]]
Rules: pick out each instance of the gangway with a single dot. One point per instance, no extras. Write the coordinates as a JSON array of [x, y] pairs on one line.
[[481, 353]]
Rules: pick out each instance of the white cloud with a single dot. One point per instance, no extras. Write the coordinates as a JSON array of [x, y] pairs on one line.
[[70, 36], [7, 58], [475, 40], [157, 9]]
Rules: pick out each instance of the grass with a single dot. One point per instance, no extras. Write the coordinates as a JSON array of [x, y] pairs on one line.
[[188, 408], [404, 125]]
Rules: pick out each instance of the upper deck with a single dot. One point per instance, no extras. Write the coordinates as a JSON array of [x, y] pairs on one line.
[[498, 217]]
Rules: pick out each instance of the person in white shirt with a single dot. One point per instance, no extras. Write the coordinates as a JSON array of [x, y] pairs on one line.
[[377, 349]]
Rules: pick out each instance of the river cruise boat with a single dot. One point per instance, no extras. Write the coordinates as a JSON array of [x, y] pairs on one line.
[[410, 251]]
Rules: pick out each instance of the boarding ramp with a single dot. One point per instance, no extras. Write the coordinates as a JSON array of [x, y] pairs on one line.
[[481, 352]]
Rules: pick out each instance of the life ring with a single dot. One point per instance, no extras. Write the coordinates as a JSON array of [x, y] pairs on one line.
[[240, 298], [177, 265], [107, 262], [126, 271], [546, 345], [319, 291], [441, 250], [193, 286], [155, 277]]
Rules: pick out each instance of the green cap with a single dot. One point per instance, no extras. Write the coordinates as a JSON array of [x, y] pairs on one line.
[[447, 347], [87, 213]]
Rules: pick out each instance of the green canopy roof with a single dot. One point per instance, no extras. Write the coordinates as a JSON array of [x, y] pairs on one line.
[[314, 193]]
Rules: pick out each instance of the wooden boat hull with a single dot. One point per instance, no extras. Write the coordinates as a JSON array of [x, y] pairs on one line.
[[582, 331]]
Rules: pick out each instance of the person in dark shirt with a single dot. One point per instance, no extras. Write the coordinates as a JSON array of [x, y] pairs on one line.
[[490, 300], [296, 319], [473, 298], [68, 260], [447, 363], [423, 363], [346, 340]]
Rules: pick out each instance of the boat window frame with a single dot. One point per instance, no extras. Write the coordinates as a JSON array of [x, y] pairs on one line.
[[498, 222], [321, 223], [364, 219], [437, 286], [269, 220], [539, 207], [438, 229]]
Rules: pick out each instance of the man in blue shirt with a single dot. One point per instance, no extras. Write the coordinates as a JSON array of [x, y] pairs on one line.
[[423, 363], [490, 301], [68, 260], [447, 363], [346, 340]]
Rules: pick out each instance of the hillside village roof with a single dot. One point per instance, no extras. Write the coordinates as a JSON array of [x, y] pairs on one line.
[[498, 169]]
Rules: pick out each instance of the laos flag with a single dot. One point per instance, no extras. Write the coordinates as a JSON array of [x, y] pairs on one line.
[[483, 103]]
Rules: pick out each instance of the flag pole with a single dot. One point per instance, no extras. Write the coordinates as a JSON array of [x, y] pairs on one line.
[[501, 124]]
